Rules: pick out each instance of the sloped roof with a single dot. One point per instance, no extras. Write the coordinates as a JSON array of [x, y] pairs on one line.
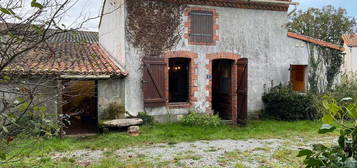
[[315, 41], [57, 36], [65, 59], [350, 40], [66, 53], [74, 37]]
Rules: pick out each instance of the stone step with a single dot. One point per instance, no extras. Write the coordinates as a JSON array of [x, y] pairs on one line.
[[118, 123]]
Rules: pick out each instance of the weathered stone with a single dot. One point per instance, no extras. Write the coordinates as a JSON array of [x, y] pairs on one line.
[[134, 130], [122, 122]]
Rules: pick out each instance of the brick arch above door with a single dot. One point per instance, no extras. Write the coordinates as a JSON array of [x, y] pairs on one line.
[[192, 76], [223, 55]]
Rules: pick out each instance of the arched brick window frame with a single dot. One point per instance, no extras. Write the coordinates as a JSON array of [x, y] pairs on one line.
[[228, 56], [192, 77], [188, 24]]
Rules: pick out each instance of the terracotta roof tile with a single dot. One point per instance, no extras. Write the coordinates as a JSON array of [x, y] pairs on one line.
[[350, 40], [315, 41], [65, 59], [238, 4], [74, 37]]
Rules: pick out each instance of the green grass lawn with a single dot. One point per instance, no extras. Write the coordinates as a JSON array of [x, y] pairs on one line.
[[170, 133]]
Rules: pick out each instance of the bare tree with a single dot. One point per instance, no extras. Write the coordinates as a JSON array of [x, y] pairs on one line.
[[27, 28]]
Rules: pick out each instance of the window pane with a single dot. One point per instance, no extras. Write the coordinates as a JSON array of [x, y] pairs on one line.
[[179, 80]]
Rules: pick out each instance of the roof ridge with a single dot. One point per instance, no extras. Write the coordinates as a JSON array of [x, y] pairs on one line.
[[315, 41]]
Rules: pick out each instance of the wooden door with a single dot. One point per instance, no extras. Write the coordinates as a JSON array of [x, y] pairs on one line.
[[297, 77], [242, 91], [154, 82]]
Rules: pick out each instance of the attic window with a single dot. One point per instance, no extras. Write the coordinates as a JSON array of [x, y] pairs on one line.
[[202, 26]]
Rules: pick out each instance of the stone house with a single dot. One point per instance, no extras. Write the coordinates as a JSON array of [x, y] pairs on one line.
[[222, 65], [350, 59]]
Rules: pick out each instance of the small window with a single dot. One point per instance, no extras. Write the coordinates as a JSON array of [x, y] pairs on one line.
[[201, 26], [298, 77], [179, 80]]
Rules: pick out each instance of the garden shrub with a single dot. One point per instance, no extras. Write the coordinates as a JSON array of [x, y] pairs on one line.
[[147, 119], [202, 120], [114, 111], [347, 88], [282, 103]]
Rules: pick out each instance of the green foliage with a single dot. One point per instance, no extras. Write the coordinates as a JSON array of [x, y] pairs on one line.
[[345, 154], [328, 23], [148, 120], [334, 23], [347, 88], [200, 119], [7, 11], [36, 4], [282, 103], [114, 111]]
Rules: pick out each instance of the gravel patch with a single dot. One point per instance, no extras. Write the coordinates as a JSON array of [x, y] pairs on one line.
[[252, 153]]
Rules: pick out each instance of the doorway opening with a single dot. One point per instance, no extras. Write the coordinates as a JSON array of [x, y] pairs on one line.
[[80, 105], [179, 69], [222, 88]]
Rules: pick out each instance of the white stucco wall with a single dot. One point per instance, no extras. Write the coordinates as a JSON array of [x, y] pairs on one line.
[[350, 60], [112, 29], [258, 35]]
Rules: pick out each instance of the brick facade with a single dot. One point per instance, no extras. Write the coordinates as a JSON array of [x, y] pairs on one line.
[[192, 77], [188, 24], [229, 56]]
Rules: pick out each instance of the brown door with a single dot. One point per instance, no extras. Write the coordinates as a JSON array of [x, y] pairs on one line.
[[242, 91], [221, 88], [297, 77], [154, 82]]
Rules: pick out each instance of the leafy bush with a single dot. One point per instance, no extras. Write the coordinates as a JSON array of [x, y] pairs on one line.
[[347, 88], [114, 111], [202, 120], [345, 154], [147, 119], [282, 103]]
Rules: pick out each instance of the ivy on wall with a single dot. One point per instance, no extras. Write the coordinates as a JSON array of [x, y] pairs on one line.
[[323, 57], [327, 24], [153, 26]]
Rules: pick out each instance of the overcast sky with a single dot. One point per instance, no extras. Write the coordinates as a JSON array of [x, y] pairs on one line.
[[90, 8]]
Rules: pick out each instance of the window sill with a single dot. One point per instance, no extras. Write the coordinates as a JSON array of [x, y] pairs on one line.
[[179, 105]]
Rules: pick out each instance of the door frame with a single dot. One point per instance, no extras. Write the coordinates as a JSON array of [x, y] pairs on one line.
[[227, 56], [60, 100], [233, 78]]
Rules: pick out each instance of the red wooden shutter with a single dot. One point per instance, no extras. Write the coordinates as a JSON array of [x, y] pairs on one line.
[[201, 26], [242, 86], [154, 82]]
